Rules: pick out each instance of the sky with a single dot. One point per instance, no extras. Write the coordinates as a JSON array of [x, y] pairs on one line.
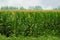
[[45, 4]]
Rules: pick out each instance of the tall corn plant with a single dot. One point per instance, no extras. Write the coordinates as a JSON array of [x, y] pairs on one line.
[[6, 27], [58, 23], [30, 23]]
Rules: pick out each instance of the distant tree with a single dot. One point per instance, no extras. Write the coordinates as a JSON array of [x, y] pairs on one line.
[[9, 8], [13, 8], [4, 8], [58, 8], [22, 8], [35, 8], [31, 8], [38, 8]]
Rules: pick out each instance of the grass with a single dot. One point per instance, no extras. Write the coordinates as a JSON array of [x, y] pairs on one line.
[[30, 38]]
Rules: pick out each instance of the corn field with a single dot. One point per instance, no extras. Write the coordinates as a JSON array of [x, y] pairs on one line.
[[30, 23]]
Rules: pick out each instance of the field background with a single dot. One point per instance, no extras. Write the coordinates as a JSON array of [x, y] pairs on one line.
[[30, 24]]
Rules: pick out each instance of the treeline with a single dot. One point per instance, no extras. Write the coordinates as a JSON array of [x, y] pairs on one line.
[[22, 8], [30, 8]]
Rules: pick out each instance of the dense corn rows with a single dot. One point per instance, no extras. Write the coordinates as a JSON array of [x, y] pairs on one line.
[[29, 23]]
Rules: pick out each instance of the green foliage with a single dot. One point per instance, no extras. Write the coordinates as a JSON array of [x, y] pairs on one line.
[[30, 23], [29, 38]]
